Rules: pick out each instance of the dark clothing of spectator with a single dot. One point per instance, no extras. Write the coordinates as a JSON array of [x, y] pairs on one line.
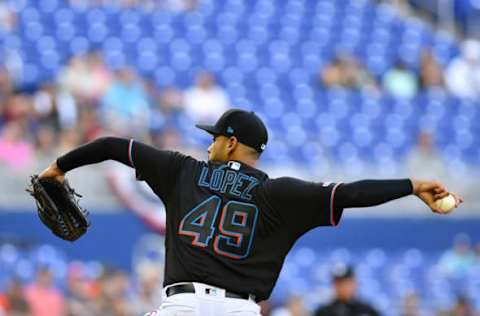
[[351, 308]]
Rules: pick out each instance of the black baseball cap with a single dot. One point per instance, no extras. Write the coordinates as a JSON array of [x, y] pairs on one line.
[[342, 272], [246, 126]]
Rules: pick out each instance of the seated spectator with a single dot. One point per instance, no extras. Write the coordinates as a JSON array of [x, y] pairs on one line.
[[8, 17], [462, 308], [410, 306], [205, 101], [463, 73], [44, 105], [168, 138], [294, 307], [344, 301], [111, 299], [346, 72], [18, 107], [75, 78], [168, 109], [457, 261], [15, 151], [100, 77], [46, 145], [171, 100], [149, 291], [125, 105], [55, 107], [79, 292], [13, 302], [400, 82], [42, 296], [6, 85], [69, 139], [424, 160], [3, 305], [89, 125], [431, 74]]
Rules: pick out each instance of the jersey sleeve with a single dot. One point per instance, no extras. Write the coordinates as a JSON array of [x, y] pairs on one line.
[[304, 205], [159, 168]]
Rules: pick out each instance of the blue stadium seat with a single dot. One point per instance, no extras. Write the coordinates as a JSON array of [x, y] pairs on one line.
[[268, 56]]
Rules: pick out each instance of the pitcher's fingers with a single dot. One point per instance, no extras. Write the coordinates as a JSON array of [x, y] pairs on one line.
[[439, 188], [434, 207], [441, 195], [458, 199]]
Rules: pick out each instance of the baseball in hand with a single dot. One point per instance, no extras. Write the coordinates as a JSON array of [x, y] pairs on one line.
[[447, 204]]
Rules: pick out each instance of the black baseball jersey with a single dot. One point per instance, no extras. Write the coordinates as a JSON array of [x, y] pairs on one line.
[[228, 224]]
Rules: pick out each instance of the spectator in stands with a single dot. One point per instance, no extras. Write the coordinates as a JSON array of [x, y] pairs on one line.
[[6, 86], [79, 293], [75, 78], [400, 82], [125, 105], [45, 145], [18, 107], [42, 296], [345, 72], [424, 160], [112, 300], [462, 308], [205, 101], [431, 74], [15, 151], [13, 302], [294, 307], [85, 78], [167, 138], [149, 291], [457, 261], [69, 139], [463, 73], [171, 100], [8, 17], [3, 305], [89, 125], [55, 107], [344, 302], [44, 105], [168, 109], [100, 77], [410, 306]]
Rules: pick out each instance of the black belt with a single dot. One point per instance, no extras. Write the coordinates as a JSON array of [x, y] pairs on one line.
[[189, 288]]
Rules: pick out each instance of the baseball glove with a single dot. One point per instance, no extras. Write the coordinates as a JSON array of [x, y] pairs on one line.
[[58, 207]]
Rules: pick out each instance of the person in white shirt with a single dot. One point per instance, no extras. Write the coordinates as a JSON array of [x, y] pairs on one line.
[[205, 100], [462, 76]]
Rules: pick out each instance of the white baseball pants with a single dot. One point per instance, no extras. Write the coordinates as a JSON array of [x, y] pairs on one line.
[[202, 304]]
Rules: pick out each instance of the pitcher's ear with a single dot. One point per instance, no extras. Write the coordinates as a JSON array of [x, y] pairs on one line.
[[232, 143]]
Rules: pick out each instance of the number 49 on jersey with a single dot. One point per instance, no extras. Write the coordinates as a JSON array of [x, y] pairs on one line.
[[236, 228]]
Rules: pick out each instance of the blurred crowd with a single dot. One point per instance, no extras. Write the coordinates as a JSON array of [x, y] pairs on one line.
[[87, 99], [106, 291], [461, 77], [110, 293]]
